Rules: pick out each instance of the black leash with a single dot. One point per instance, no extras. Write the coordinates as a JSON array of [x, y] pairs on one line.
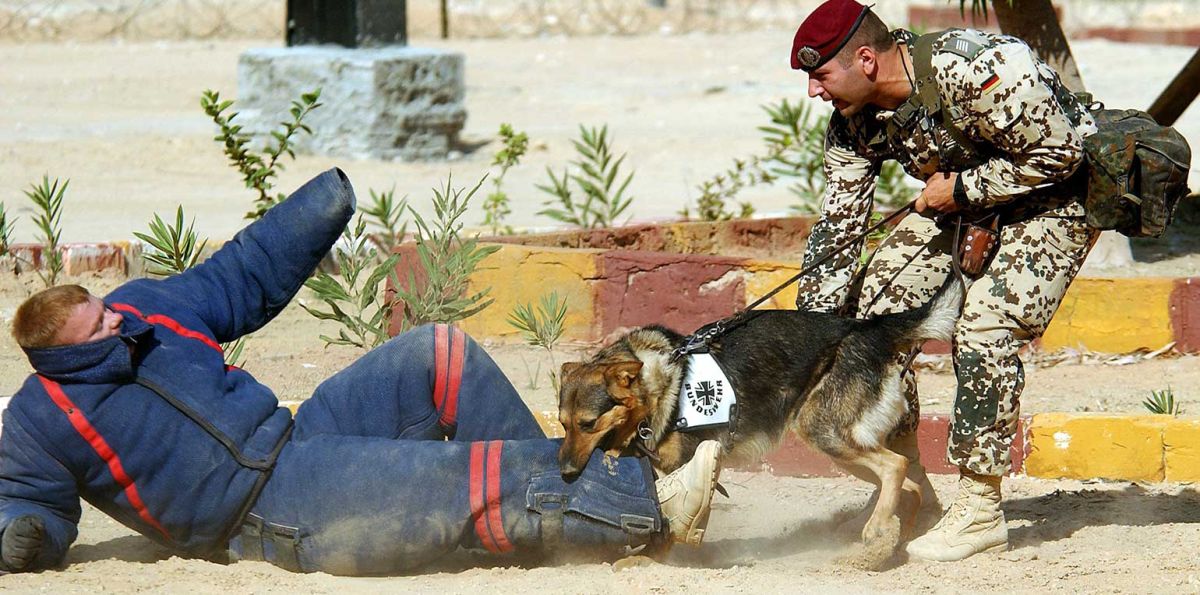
[[698, 341]]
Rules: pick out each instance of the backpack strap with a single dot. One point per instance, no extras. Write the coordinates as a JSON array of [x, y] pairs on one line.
[[928, 94]]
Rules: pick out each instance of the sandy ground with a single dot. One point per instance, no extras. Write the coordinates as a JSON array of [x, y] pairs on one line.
[[774, 535], [123, 122]]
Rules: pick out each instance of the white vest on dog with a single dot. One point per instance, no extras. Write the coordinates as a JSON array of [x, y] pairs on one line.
[[706, 397]]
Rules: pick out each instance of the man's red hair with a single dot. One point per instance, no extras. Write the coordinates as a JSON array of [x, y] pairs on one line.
[[43, 315]]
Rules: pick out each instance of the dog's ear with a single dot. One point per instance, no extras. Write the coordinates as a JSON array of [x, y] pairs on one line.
[[623, 374], [568, 368]]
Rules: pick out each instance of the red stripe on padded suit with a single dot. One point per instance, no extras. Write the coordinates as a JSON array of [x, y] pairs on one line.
[[171, 324], [105, 452], [441, 357], [475, 480], [495, 520], [449, 408]]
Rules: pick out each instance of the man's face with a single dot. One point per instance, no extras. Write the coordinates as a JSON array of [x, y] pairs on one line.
[[848, 87], [90, 321]]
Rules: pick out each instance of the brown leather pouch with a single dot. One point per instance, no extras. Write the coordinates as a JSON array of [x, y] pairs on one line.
[[977, 244]]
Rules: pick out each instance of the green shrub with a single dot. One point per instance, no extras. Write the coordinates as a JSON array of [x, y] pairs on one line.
[[604, 199]]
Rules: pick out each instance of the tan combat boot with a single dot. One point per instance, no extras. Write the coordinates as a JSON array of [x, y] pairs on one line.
[[973, 524], [685, 495]]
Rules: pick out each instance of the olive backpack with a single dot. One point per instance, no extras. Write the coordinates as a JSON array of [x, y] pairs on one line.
[[1137, 169]]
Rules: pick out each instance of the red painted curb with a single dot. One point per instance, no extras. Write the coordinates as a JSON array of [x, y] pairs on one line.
[[679, 291], [932, 18], [1185, 314], [82, 257], [776, 237], [794, 458], [1188, 37]]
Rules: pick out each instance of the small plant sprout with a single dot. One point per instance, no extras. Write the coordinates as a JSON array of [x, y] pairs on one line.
[[48, 201], [173, 249], [604, 199], [258, 169], [496, 206], [356, 297], [447, 259], [6, 229], [718, 192], [384, 214], [1162, 402], [541, 327], [6, 232]]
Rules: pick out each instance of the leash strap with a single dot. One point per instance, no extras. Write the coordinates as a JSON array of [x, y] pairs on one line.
[[698, 341]]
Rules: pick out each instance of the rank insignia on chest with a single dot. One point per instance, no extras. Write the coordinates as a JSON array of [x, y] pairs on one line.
[[991, 82]]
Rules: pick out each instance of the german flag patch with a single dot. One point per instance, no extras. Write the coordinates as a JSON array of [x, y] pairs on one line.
[[991, 82]]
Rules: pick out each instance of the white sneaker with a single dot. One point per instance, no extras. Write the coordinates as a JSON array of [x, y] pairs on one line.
[[685, 495], [973, 524]]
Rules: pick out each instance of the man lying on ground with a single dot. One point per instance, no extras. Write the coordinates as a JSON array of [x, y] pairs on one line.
[[416, 449]]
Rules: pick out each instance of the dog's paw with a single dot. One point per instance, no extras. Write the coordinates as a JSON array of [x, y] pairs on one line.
[[878, 547]]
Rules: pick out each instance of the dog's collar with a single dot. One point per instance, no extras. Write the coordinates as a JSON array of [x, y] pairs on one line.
[[646, 443], [691, 395]]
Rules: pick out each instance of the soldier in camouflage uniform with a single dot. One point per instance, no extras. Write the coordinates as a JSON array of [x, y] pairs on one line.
[[1008, 143]]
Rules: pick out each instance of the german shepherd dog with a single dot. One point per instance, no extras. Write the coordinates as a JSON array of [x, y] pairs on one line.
[[835, 380]]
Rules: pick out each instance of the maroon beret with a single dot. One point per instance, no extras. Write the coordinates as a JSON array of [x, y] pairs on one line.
[[822, 35]]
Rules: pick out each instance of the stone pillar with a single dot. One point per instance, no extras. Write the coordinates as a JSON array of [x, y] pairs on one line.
[[379, 98]]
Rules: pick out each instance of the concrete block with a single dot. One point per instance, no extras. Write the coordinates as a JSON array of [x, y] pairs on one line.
[[522, 275], [1080, 446], [682, 292], [1113, 315], [80, 258], [764, 276], [1181, 450], [388, 103]]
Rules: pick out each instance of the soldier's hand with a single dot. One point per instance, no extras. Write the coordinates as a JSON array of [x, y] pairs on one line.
[[21, 543], [938, 194]]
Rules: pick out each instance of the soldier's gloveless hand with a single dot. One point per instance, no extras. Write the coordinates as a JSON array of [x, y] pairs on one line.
[[938, 194]]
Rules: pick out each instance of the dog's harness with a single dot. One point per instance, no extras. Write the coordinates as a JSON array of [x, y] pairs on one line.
[[706, 397]]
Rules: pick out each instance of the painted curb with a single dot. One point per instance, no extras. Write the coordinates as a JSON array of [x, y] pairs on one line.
[[1113, 315], [1071, 446], [794, 458], [608, 291], [932, 18]]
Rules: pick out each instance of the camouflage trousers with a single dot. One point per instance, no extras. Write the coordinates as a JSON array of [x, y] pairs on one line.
[[1008, 306]]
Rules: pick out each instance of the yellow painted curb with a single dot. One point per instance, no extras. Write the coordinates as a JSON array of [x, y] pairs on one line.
[[522, 275], [765, 275], [1096, 446], [1181, 445], [1113, 316]]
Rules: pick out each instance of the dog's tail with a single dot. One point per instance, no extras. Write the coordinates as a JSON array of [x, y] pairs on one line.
[[935, 319]]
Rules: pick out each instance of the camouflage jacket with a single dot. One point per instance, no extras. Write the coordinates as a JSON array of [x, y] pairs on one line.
[[1001, 97]]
